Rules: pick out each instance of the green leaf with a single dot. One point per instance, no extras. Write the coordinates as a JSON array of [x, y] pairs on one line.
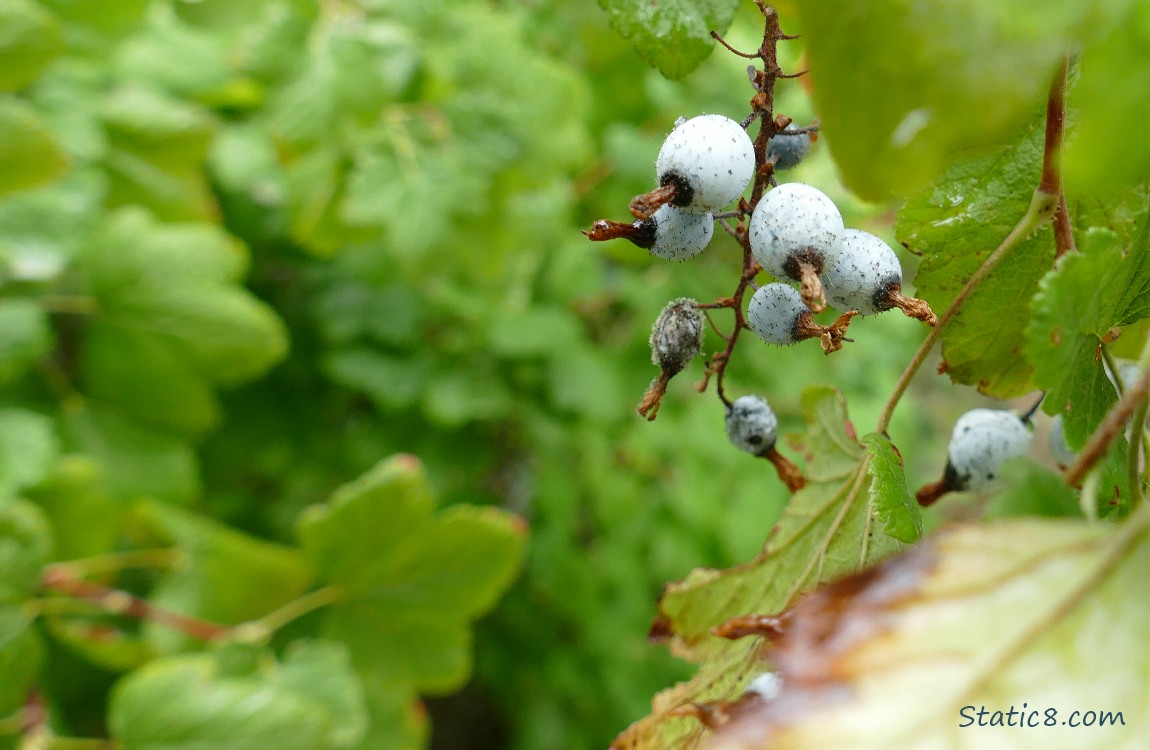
[[134, 461], [674, 35], [412, 578], [158, 146], [1118, 32], [851, 513], [25, 545], [174, 57], [228, 577], [29, 40], [147, 377], [310, 701], [1030, 616], [1032, 490], [85, 519], [895, 508], [398, 719], [1089, 292], [825, 531], [25, 337], [106, 21], [29, 154], [217, 328], [391, 382], [897, 83], [20, 656], [28, 446], [955, 226]]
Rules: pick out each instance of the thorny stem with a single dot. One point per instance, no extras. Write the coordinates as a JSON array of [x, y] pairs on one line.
[[762, 109], [1111, 426]]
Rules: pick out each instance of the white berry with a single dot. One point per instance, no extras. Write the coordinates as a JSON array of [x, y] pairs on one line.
[[982, 440], [774, 313], [710, 159], [751, 425], [794, 223], [679, 235], [768, 685], [861, 273]]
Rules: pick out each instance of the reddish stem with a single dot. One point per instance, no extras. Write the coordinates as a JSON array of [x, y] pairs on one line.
[[123, 603]]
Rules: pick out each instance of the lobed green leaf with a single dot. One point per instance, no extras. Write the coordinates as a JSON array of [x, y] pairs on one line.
[[228, 701], [955, 226], [411, 579]]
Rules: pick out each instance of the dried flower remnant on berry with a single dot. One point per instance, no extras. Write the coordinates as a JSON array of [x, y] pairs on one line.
[[865, 275], [669, 233], [794, 233], [710, 159], [779, 316]]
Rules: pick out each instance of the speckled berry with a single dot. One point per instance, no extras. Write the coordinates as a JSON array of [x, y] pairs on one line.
[[788, 148], [774, 313], [862, 273], [794, 234], [678, 235], [710, 159], [981, 441], [778, 314], [751, 425], [865, 275]]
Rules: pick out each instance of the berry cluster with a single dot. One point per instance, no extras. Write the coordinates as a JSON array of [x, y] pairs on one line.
[[792, 231], [797, 234]]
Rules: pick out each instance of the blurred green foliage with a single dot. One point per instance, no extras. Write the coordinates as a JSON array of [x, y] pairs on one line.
[[249, 250]]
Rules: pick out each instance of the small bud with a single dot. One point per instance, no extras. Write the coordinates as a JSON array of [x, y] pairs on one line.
[[677, 336]]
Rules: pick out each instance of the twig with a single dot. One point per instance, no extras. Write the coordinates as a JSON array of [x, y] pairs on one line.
[[1051, 181], [59, 578], [1112, 425]]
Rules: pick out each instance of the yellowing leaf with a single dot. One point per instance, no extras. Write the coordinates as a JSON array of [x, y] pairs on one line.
[[935, 647]]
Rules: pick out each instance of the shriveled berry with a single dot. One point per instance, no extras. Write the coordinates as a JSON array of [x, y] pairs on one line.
[[677, 336]]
